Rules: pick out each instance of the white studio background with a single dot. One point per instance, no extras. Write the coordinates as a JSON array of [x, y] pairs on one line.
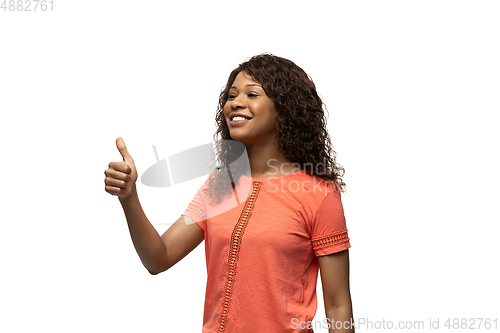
[[412, 92]]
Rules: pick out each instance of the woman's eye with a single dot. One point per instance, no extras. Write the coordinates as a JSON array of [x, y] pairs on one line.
[[249, 95]]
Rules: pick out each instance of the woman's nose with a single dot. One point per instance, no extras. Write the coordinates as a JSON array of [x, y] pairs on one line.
[[238, 102]]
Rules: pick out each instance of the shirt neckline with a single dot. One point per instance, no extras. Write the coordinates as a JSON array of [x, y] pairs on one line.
[[278, 177]]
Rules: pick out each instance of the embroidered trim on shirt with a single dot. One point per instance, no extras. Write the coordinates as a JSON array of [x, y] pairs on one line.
[[334, 238], [196, 210], [234, 251]]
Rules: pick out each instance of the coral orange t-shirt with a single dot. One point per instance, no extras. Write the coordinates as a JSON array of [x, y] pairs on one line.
[[261, 247]]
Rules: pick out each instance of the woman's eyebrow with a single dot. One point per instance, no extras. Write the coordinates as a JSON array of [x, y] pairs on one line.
[[249, 85]]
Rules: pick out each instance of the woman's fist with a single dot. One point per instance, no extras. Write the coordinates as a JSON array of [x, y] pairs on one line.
[[121, 176]]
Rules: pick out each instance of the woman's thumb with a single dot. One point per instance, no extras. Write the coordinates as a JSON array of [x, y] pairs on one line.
[[120, 144]]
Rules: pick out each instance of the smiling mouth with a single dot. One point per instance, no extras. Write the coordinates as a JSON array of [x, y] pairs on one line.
[[239, 121], [239, 118]]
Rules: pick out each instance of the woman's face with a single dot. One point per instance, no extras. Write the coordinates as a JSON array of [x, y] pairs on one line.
[[248, 98]]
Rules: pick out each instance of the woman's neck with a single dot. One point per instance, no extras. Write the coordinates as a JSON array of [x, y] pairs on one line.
[[269, 161]]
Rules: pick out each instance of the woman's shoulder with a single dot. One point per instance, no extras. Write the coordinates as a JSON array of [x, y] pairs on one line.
[[316, 183], [305, 185]]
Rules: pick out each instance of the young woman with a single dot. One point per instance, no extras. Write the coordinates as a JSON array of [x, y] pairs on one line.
[[268, 223]]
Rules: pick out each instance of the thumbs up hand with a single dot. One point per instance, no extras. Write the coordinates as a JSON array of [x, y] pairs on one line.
[[121, 176]]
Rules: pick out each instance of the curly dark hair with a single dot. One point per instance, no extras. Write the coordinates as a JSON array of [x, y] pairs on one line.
[[300, 123]]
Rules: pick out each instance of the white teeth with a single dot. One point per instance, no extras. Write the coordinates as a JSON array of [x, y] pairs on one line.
[[238, 118]]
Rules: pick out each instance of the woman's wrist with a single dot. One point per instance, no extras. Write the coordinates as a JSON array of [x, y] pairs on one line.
[[131, 197]]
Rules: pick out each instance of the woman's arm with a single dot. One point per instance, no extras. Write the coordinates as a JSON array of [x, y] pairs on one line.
[[159, 253], [156, 253], [334, 270]]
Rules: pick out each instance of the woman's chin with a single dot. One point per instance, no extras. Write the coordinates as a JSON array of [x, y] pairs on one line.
[[236, 136]]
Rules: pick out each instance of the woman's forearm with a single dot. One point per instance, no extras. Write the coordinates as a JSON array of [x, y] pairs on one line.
[[341, 319], [147, 242]]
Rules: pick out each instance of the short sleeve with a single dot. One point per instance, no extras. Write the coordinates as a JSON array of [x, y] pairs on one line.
[[329, 231], [196, 208]]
